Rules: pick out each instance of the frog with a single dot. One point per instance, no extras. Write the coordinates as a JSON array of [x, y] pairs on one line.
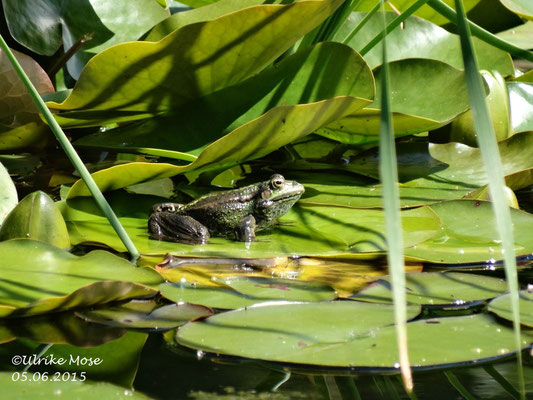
[[237, 213]]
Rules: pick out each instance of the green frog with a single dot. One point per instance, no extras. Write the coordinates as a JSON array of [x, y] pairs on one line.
[[235, 213]]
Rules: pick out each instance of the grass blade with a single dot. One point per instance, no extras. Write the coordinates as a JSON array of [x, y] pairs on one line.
[[493, 166], [391, 201], [71, 153], [361, 24]]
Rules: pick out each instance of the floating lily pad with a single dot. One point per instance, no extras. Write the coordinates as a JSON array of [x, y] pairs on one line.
[[146, 315], [8, 194], [241, 291], [36, 217], [38, 277], [308, 230], [519, 35], [501, 306], [521, 100], [524, 8], [434, 288], [363, 336]]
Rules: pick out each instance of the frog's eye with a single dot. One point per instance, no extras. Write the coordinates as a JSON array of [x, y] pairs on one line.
[[265, 194], [277, 181]]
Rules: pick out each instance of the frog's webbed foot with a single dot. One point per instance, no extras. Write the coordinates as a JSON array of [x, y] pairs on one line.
[[245, 232], [171, 227]]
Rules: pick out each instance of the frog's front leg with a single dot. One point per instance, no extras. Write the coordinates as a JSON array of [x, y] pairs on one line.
[[171, 227], [245, 231]]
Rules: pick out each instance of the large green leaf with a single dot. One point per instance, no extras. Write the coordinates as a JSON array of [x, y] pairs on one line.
[[36, 217], [313, 230], [46, 26], [38, 277], [421, 39], [313, 76], [8, 194], [448, 165], [470, 234], [67, 390], [415, 104], [20, 125], [432, 288], [159, 76], [524, 8], [501, 306], [243, 291], [521, 102], [278, 127], [303, 334], [519, 35]]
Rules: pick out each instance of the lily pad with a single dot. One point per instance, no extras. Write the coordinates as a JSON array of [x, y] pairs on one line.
[[8, 194], [45, 27], [524, 8], [521, 101], [146, 315], [501, 306], [159, 76], [38, 277], [310, 230], [59, 389], [241, 291], [435, 288], [519, 35], [20, 124], [363, 336], [470, 234], [36, 217]]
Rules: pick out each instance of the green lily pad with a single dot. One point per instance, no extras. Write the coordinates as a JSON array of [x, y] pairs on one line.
[[56, 328], [501, 306], [20, 124], [521, 101], [160, 76], [470, 234], [519, 35], [313, 71], [59, 389], [38, 277], [146, 315], [8, 194], [36, 217], [363, 336], [310, 230], [415, 105], [278, 127], [524, 8], [46, 27], [420, 38], [435, 288], [241, 291]]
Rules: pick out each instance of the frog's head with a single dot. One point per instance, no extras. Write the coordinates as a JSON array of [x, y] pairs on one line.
[[276, 197]]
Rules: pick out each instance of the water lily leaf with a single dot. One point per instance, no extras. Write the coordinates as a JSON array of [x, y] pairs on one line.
[[118, 364], [36, 217], [519, 35], [521, 101], [8, 194], [310, 230], [20, 125], [420, 38], [38, 277], [314, 77], [470, 234], [462, 128], [450, 164], [242, 291], [276, 128], [47, 26], [146, 315], [160, 76], [59, 389], [302, 334], [524, 8], [501, 306], [435, 288], [57, 328], [415, 106]]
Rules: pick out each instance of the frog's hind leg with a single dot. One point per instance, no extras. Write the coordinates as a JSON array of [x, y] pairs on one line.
[[171, 227]]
